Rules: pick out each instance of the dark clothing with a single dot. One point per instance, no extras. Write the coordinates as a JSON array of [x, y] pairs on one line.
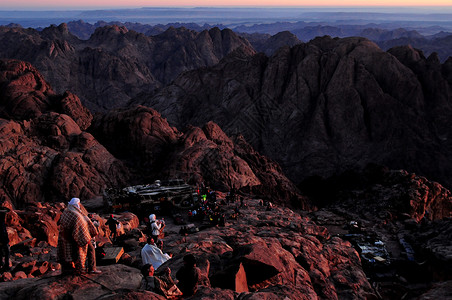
[[162, 285], [188, 280], [152, 284], [112, 223], [4, 242]]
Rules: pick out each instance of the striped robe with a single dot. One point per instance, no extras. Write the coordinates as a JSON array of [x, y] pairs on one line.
[[73, 238]]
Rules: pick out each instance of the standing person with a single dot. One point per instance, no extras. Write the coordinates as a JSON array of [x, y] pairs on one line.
[[112, 224], [188, 276], [4, 240], [91, 251], [155, 227], [73, 238]]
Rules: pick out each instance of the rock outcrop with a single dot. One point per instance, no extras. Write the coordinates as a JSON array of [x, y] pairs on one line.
[[156, 150], [376, 190], [45, 153], [325, 106]]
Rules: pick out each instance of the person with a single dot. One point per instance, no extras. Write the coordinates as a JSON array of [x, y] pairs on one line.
[[73, 239], [269, 206], [159, 284], [112, 223], [4, 240], [91, 251], [188, 276], [155, 227], [151, 254]]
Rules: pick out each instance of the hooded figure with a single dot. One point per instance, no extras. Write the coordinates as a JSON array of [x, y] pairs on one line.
[[73, 237]]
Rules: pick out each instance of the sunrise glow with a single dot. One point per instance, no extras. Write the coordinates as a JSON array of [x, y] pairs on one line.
[[86, 4]]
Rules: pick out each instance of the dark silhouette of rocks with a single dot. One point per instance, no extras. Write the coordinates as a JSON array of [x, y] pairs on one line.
[[116, 64], [376, 190], [84, 30], [325, 106], [440, 45], [269, 44]]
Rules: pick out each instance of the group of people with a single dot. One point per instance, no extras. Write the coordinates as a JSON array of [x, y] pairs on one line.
[[76, 252], [188, 277], [153, 257]]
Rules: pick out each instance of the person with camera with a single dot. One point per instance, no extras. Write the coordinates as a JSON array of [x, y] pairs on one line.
[[155, 227]]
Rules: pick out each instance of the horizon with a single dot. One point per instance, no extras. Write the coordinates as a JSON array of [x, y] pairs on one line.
[[233, 15], [438, 6]]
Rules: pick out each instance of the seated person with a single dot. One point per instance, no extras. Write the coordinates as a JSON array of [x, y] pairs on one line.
[[159, 284], [151, 254], [188, 276]]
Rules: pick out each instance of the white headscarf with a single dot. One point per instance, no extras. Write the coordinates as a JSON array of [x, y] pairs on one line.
[[152, 217], [75, 202]]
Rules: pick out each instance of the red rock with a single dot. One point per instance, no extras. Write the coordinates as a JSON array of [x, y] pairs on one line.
[[200, 154], [7, 276], [19, 275]]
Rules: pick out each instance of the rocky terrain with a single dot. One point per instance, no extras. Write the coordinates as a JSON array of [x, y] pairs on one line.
[[116, 64], [141, 137], [325, 106], [323, 109], [46, 153], [262, 254], [402, 217], [50, 150]]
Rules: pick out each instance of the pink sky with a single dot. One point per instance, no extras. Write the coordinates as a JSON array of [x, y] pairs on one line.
[[24, 4]]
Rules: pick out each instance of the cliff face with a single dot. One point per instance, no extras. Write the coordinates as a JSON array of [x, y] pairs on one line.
[[116, 64], [325, 106]]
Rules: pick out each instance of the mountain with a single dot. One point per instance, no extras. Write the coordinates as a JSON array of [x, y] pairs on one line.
[[268, 44], [84, 30], [46, 154], [440, 45], [116, 64], [52, 149], [325, 106]]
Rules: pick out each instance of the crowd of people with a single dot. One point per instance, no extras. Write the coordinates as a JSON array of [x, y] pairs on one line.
[[76, 251], [77, 245]]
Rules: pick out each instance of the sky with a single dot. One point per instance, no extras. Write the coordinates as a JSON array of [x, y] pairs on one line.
[[97, 4]]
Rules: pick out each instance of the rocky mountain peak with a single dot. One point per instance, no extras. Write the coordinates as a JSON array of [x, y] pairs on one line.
[[340, 100], [46, 155], [60, 32]]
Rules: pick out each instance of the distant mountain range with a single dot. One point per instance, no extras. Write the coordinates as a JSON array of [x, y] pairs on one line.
[[115, 64], [259, 34]]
